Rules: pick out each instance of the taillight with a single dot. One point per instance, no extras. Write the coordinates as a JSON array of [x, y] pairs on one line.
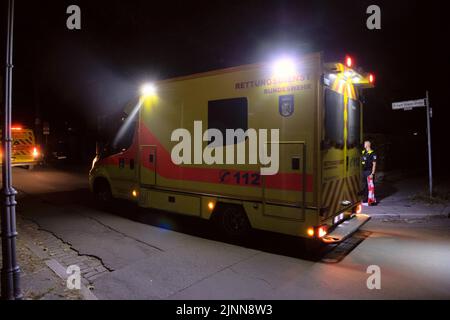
[[322, 231], [35, 152], [318, 232]]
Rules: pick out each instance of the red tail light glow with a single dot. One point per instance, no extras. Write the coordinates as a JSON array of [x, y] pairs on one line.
[[349, 61], [358, 209], [322, 231], [371, 78]]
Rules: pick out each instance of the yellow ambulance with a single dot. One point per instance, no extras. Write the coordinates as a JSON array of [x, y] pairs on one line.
[[311, 115], [25, 152]]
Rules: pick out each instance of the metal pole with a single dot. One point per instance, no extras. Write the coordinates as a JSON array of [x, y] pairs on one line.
[[10, 274], [430, 165]]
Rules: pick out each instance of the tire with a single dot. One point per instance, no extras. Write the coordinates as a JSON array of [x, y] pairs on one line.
[[233, 222], [103, 194]]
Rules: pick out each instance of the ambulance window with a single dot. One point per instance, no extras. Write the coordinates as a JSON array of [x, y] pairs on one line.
[[354, 123], [116, 133], [334, 119], [228, 114], [125, 133]]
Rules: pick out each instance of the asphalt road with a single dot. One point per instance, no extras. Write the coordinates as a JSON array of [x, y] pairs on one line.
[[155, 255]]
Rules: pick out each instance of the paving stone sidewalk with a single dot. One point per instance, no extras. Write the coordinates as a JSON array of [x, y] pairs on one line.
[[44, 259], [402, 203]]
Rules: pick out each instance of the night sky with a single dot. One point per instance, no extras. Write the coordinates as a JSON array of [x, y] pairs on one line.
[[75, 76]]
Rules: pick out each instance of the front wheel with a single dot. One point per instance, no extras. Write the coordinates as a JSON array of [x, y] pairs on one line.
[[103, 194], [234, 222]]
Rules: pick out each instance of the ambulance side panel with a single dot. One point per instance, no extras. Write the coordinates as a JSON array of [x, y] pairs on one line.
[[286, 202]]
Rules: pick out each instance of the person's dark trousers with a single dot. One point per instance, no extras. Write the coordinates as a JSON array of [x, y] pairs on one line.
[[365, 194]]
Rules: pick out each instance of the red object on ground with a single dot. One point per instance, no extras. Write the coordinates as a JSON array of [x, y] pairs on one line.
[[371, 195]]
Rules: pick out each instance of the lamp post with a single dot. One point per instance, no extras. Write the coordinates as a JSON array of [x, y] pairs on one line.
[[10, 273]]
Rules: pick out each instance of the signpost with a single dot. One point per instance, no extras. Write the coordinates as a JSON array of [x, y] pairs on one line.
[[420, 103], [46, 129]]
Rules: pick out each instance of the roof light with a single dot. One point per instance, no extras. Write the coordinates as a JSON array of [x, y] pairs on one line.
[[349, 61], [284, 67], [148, 90]]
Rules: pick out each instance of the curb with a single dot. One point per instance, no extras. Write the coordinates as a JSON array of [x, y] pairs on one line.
[[61, 272], [57, 268], [407, 216]]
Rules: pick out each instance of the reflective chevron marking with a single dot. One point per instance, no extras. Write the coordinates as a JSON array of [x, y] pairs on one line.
[[334, 192]]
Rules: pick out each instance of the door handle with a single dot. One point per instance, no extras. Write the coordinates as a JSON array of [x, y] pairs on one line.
[[295, 163]]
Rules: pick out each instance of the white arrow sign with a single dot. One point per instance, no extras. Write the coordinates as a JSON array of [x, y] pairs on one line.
[[408, 105]]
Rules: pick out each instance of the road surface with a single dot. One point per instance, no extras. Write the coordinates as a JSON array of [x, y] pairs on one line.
[[154, 255]]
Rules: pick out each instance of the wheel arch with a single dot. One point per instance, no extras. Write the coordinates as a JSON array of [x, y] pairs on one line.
[[100, 181]]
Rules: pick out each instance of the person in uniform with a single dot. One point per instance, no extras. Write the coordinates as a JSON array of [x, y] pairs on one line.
[[369, 165]]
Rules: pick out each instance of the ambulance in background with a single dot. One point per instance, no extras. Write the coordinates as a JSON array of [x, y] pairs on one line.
[[315, 105], [25, 152]]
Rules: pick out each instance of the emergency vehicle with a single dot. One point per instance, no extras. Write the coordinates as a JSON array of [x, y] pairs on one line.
[[316, 107], [25, 152]]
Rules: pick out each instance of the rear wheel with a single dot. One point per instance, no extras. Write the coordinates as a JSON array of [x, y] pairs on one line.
[[313, 248], [233, 222]]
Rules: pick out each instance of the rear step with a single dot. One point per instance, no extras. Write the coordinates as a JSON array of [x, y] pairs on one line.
[[346, 229]]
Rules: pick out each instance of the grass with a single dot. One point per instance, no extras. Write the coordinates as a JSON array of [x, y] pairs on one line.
[[439, 197]]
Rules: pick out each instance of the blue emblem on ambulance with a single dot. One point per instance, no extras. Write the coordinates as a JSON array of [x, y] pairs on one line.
[[286, 105]]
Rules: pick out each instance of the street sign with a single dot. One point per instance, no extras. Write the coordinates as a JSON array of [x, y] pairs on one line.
[[408, 105]]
